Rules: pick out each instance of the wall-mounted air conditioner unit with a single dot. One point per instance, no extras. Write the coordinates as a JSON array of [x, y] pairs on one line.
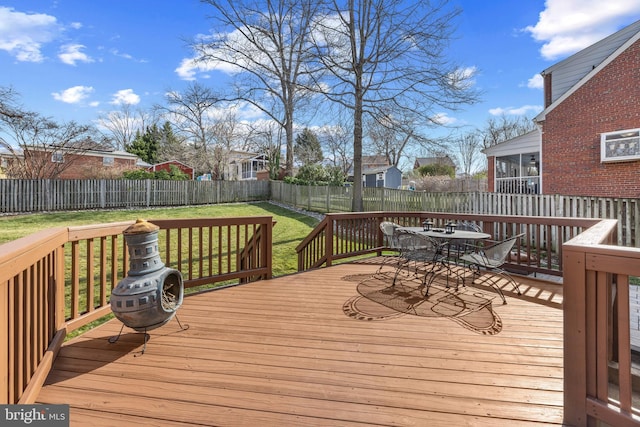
[[620, 146]]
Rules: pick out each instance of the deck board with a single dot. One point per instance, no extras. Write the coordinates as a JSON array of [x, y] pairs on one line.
[[309, 349]]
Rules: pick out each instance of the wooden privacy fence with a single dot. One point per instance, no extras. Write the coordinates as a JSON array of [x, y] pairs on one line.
[[338, 199], [59, 280], [19, 196]]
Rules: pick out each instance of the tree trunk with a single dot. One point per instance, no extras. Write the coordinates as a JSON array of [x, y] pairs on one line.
[[357, 205]]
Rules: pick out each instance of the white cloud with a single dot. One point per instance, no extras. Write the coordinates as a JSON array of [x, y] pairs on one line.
[[71, 54], [536, 82], [73, 95], [116, 52], [189, 67], [23, 34], [125, 96], [463, 78], [443, 119], [515, 111], [567, 26]]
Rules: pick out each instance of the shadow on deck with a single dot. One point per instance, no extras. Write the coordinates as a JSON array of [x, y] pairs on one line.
[[335, 346]]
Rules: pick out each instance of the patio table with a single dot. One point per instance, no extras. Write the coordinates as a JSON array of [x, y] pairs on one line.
[[443, 241]]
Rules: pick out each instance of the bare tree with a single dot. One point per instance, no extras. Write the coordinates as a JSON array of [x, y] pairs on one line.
[[191, 114], [266, 138], [503, 128], [39, 147], [393, 135], [8, 107], [122, 125], [269, 48], [224, 134], [468, 146], [336, 138], [389, 52]]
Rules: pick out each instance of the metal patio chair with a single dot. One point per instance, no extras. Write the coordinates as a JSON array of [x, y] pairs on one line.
[[417, 252], [492, 259], [459, 247], [390, 233]]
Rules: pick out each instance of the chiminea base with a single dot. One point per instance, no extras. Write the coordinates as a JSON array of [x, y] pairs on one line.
[[147, 337]]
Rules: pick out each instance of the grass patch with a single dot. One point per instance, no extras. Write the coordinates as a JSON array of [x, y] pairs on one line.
[[290, 230]]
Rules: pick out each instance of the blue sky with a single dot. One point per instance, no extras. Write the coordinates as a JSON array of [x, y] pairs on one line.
[[79, 59]]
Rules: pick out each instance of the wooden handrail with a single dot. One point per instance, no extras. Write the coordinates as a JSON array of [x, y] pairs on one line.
[[55, 281], [596, 328], [347, 235]]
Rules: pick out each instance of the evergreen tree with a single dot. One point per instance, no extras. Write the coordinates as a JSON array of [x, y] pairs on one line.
[[307, 148], [146, 145], [171, 148]]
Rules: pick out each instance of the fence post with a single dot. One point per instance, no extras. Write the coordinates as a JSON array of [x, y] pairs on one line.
[[328, 209], [103, 193], [148, 192]]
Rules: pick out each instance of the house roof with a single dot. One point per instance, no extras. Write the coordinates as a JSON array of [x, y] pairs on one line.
[[375, 160], [526, 143], [373, 169], [438, 160], [580, 67], [377, 169], [172, 162]]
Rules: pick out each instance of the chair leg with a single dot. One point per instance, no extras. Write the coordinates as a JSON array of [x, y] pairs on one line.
[[490, 281], [494, 284], [511, 280]]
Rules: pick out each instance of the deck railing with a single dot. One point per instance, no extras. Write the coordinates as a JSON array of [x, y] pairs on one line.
[[59, 280], [599, 384], [341, 236]]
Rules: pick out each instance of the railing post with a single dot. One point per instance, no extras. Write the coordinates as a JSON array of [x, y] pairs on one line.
[[328, 240], [59, 284], [575, 342], [267, 248]]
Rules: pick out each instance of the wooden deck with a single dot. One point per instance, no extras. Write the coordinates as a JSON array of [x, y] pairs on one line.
[[329, 347]]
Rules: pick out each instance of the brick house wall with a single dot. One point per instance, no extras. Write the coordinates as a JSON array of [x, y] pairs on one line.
[[166, 166], [609, 101], [92, 167], [85, 166]]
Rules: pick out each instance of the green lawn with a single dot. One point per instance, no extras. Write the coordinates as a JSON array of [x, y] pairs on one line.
[[290, 230]]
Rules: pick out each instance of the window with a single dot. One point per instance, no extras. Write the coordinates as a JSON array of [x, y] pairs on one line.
[[108, 161], [57, 157], [620, 146], [518, 173]]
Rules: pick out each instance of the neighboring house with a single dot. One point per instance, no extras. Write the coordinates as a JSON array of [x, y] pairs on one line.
[[166, 166], [5, 160], [245, 166], [76, 163], [95, 163], [382, 176], [439, 160], [590, 126], [376, 172]]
